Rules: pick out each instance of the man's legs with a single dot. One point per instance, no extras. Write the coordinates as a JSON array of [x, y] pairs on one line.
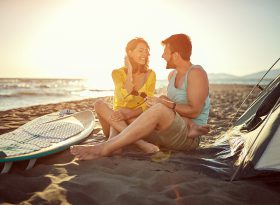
[[158, 117], [195, 129]]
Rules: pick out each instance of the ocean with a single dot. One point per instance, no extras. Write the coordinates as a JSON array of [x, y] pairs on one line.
[[20, 92], [15, 93]]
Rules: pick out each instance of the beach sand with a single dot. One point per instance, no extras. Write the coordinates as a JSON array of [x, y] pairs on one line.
[[133, 177]]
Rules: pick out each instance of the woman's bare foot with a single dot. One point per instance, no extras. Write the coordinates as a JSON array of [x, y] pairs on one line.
[[88, 152], [147, 147], [198, 130], [118, 152]]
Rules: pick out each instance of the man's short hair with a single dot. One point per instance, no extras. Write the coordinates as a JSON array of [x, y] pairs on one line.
[[180, 43]]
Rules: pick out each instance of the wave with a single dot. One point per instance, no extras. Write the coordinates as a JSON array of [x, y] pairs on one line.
[[41, 83], [25, 94], [101, 90]]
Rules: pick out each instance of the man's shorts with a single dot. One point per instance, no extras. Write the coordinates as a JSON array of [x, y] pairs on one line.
[[175, 136]]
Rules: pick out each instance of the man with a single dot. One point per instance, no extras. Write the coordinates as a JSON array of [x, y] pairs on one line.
[[175, 121]]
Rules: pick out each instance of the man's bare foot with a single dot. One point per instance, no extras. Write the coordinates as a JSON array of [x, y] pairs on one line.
[[198, 130], [147, 147], [88, 152]]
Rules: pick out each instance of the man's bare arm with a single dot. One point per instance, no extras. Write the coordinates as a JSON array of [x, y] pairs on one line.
[[197, 91]]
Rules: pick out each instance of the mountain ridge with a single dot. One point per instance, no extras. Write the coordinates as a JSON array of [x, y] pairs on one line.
[[271, 75]]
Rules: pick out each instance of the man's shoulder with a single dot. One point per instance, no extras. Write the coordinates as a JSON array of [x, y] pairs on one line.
[[198, 70], [197, 67], [198, 74]]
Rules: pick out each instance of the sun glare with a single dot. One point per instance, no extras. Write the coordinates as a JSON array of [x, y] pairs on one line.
[[80, 39], [75, 39]]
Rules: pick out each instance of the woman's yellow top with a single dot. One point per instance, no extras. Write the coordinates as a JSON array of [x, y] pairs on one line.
[[122, 99]]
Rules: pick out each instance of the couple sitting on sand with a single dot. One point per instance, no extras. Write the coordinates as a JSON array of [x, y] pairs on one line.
[[174, 121]]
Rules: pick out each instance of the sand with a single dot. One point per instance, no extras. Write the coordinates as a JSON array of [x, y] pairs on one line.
[[133, 177]]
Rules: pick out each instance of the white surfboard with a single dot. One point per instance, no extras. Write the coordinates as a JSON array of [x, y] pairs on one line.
[[43, 136]]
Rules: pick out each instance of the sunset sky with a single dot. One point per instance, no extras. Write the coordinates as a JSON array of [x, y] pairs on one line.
[[86, 39]]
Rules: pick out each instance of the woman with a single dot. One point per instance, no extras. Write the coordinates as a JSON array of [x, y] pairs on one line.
[[133, 83]]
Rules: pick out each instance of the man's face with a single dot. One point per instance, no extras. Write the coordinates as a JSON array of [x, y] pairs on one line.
[[168, 57]]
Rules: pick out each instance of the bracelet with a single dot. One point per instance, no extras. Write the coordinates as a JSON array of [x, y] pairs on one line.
[[174, 106]]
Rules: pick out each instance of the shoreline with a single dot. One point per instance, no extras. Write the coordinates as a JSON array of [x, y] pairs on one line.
[[158, 90]]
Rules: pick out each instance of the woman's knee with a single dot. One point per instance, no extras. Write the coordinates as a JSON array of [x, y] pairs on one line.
[[98, 105]]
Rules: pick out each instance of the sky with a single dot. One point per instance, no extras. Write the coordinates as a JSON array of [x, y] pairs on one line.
[[87, 39]]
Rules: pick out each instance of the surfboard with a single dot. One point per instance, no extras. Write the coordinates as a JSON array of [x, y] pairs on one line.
[[44, 136]]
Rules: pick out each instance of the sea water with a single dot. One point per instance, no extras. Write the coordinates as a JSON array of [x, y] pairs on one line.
[[22, 92], [15, 93]]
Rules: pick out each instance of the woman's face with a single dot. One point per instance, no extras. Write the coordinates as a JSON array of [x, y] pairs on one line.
[[140, 53]]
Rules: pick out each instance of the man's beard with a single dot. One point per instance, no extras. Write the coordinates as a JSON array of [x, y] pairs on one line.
[[170, 64]]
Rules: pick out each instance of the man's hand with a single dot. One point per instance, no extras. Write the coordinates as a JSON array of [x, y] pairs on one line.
[[152, 101], [164, 97]]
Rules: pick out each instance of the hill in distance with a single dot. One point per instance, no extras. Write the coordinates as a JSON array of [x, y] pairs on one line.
[[258, 75]]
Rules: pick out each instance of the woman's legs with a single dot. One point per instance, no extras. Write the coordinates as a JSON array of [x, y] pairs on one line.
[[113, 133], [104, 113], [112, 128], [98, 107]]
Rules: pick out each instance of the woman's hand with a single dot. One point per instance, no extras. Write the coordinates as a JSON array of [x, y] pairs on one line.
[[121, 114], [129, 85]]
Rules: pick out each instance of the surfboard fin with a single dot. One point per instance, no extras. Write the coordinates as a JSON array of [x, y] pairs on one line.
[[6, 167], [31, 164]]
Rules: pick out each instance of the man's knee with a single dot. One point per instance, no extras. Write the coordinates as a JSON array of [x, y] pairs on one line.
[[162, 115], [160, 109]]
